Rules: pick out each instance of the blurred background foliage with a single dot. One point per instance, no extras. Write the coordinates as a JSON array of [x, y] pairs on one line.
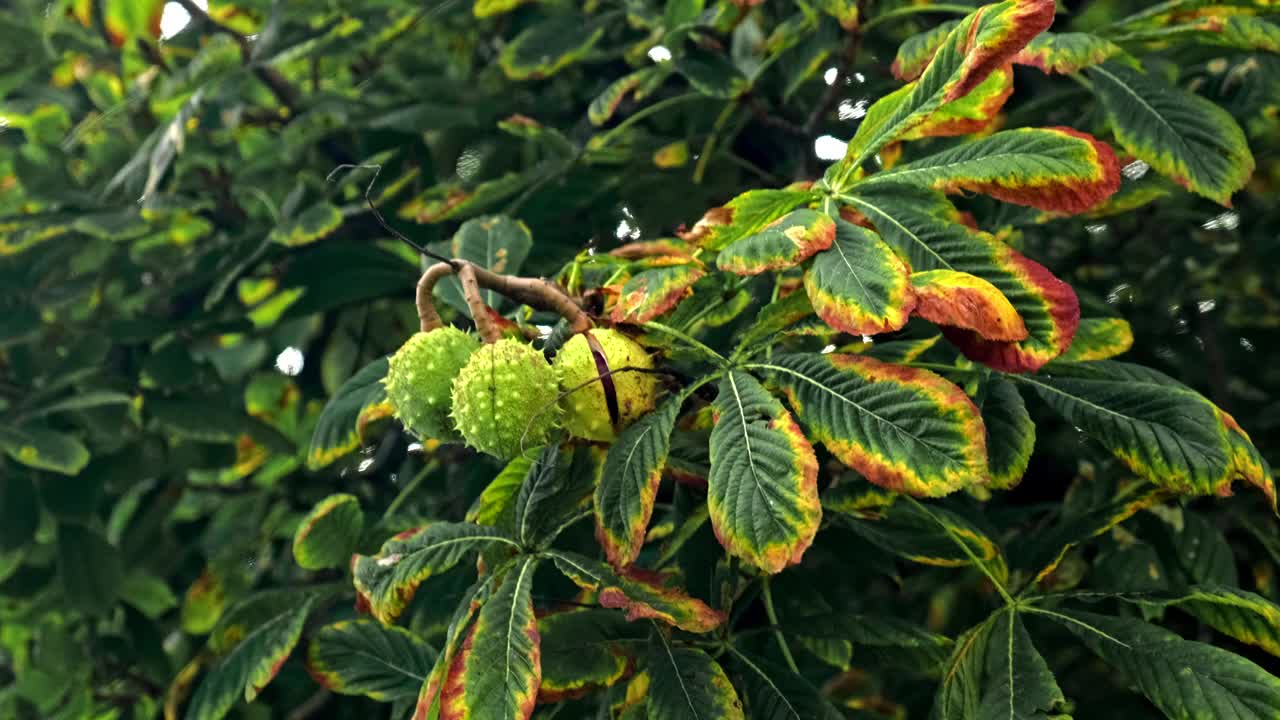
[[185, 280]]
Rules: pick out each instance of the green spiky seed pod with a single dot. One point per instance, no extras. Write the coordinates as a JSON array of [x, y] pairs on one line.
[[504, 400], [420, 377], [601, 398]]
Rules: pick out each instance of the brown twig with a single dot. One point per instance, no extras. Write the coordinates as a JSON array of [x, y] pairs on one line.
[[534, 292], [428, 318], [479, 311]]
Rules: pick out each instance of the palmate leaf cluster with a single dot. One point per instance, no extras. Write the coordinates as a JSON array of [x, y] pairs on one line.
[[970, 421]]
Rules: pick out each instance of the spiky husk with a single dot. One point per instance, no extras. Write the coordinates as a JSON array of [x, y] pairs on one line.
[[420, 378], [504, 400], [585, 406]]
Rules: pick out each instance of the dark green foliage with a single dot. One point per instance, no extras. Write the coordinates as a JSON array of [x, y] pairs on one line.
[[209, 244]]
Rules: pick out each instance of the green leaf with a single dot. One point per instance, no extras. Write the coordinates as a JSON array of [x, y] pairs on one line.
[[687, 683], [495, 242], [1099, 339], [776, 693], [783, 243], [892, 640], [44, 449], [340, 428], [1011, 435], [315, 223], [328, 535], [496, 506], [1245, 616], [654, 292], [454, 200], [364, 657], [745, 215], [1184, 137], [928, 535], [386, 582], [250, 667], [981, 42], [681, 12], [628, 487], [1159, 428], [82, 401], [584, 650], [544, 49], [90, 568], [1019, 684], [497, 671], [712, 74], [1043, 552], [148, 593], [640, 594], [1186, 680], [762, 492], [926, 229], [1067, 52], [556, 491], [859, 285], [1054, 169], [902, 428], [959, 695], [19, 511], [129, 19]]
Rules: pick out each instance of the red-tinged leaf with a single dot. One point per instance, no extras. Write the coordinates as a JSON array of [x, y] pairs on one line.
[[1066, 53], [916, 51], [976, 112], [961, 300], [252, 665], [746, 214], [1162, 430], [628, 486], [496, 672], [902, 428], [762, 494], [1181, 135], [859, 285], [386, 582], [1247, 463], [1056, 169], [1100, 339], [978, 45], [667, 251], [923, 227], [585, 650], [641, 594], [428, 706], [365, 657], [688, 683], [654, 292], [784, 243], [1057, 301]]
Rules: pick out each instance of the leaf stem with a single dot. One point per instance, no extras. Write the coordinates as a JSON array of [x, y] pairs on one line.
[[645, 112], [709, 146], [982, 567], [409, 488], [767, 595], [689, 340], [916, 10]]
